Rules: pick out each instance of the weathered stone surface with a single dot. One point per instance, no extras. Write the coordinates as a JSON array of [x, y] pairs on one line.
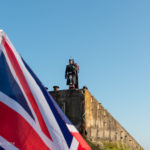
[[92, 119]]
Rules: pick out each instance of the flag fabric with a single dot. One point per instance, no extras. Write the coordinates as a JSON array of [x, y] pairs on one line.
[[30, 119]]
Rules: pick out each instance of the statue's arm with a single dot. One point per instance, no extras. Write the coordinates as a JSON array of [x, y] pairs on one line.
[[77, 67]]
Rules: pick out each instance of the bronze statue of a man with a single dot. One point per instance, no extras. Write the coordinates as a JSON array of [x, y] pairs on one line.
[[71, 74]]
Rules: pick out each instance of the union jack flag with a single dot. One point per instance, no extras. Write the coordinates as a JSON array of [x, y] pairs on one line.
[[30, 119]]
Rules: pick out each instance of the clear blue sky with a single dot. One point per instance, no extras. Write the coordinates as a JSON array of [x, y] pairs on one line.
[[109, 39]]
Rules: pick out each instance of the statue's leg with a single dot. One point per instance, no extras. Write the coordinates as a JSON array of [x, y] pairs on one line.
[[74, 81], [71, 85]]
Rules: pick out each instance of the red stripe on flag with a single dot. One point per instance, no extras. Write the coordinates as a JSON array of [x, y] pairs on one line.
[[17, 131], [82, 143], [25, 86]]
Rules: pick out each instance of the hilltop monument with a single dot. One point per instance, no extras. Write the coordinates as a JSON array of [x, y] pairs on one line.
[[93, 121]]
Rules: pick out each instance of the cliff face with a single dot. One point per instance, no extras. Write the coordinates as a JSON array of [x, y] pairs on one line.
[[92, 119]]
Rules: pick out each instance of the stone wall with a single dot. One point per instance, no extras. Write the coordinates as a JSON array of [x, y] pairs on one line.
[[92, 119], [72, 104], [101, 125]]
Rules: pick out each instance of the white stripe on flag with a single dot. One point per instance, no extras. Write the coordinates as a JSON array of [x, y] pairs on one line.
[[7, 145], [74, 144], [71, 128]]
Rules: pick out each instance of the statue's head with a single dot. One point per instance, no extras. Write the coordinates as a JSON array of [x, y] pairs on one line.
[[71, 61]]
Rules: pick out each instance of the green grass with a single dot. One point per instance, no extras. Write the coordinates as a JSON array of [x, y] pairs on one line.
[[93, 146], [107, 146]]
